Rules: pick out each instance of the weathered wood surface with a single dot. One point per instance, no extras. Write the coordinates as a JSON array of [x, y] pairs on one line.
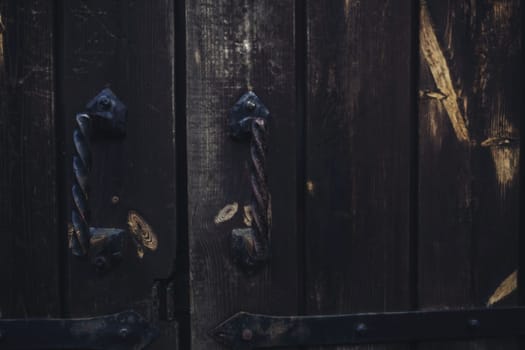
[[235, 46], [358, 149], [469, 120], [128, 46], [394, 185], [29, 250]]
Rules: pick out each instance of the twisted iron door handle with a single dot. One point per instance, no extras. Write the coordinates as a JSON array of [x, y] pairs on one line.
[[251, 245], [105, 114]]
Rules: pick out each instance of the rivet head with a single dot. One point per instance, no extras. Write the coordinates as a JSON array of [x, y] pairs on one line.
[[123, 333], [101, 263], [361, 329], [104, 102], [473, 323], [115, 199], [247, 334], [250, 105]]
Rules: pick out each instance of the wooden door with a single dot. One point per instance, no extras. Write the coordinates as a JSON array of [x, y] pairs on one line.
[[393, 157]]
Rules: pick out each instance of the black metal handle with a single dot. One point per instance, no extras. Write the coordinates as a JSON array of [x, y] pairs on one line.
[[105, 114], [249, 120]]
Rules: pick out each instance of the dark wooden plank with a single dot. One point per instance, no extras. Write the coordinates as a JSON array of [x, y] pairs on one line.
[[358, 151], [5, 177], [130, 47], [233, 46], [29, 273], [469, 119]]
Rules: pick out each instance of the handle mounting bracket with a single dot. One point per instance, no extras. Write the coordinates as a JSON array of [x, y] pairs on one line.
[[110, 112], [243, 112]]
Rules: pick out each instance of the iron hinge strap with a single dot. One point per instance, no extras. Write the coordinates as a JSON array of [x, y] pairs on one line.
[[252, 331], [122, 331]]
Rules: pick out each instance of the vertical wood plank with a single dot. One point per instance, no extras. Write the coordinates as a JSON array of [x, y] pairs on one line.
[[358, 152], [232, 47], [469, 119], [29, 267], [128, 46]]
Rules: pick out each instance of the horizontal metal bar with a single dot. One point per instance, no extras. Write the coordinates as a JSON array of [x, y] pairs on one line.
[[122, 331], [252, 331]]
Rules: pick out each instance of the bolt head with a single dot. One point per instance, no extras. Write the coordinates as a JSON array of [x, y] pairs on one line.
[[250, 105], [123, 332], [361, 328], [247, 334], [104, 102], [473, 323], [101, 263]]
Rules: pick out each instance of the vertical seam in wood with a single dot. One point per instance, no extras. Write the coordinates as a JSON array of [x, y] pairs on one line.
[[414, 158], [2, 61], [181, 269], [521, 236], [414, 164], [300, 75], [60, 156]]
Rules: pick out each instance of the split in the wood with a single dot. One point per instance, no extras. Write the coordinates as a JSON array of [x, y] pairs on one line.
[[437, 63]]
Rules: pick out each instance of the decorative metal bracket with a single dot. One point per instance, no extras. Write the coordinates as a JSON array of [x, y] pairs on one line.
[[243, 112], [248, 119], [106, 115], [250, 331], [122, 331]]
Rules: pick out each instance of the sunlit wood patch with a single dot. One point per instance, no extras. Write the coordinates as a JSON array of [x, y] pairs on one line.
[[504, 144], [142, 233], [310, 187], [70, 233], [140, 251], [226, 213], [247, 215], [437, 63], [506, 287]]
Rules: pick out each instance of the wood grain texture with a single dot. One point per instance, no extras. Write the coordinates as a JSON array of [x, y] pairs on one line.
[[29, 251], [234, 46], [380, 187], [469, 191], [358, 148], [128, 46]]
